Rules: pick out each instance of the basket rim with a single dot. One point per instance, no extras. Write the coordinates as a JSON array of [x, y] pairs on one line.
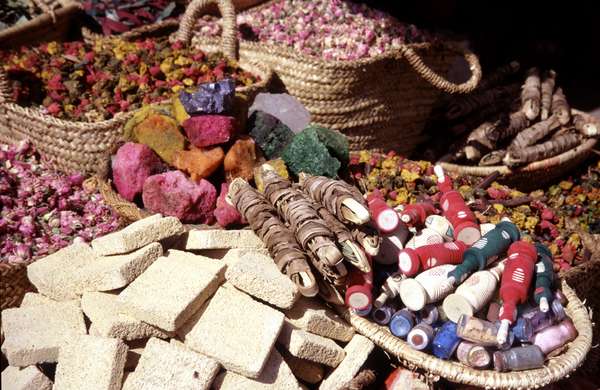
[[550, 162], [277, 49], [554, 369], [62, 10], [264, 72]]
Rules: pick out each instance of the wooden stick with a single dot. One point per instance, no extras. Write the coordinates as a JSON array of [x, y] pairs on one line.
[[487, 181]]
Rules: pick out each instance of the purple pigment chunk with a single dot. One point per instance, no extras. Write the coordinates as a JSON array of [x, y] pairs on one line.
[[210, 98], [131, 166], [173, 194], [208, 130]]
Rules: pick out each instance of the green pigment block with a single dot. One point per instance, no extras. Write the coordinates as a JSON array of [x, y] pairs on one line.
[[270, 134], [336, 143], [306, 153]]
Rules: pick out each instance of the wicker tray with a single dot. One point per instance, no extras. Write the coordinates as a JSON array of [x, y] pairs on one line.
[[535, 174], [556, 368], [53, 24]]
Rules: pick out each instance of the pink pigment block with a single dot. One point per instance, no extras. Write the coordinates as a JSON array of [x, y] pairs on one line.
[[173, 194], [131, 166], [208, 130]]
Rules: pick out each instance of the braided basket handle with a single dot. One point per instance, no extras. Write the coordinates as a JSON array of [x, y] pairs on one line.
[[5, 91], [440, 82], [229, 34]]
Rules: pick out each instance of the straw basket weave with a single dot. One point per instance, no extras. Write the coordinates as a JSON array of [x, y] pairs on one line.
[[380, 103], [53, 24], [556, 368], [535, 174], [86, 146]]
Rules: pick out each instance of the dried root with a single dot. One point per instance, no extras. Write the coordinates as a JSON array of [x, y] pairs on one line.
[[560, 107], [499, 75], [280, 241], [585, 127], [534, 133], [479, 141], [469, 103], [544, 150], [547, 90], [492, 158], [531, 94]]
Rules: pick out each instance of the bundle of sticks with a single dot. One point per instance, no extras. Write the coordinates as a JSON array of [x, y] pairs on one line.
[[316, 230], [502, 123]]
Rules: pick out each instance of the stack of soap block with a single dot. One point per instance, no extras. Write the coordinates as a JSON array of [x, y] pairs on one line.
[[152, 307]]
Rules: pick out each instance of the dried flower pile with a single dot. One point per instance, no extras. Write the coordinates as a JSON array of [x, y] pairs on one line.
[[43, 211], [328, 29], [545, 215], [119, 16], [74, 80]]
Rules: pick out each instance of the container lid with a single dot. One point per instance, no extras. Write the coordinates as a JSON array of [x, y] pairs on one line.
[[420, 337], [455, 305], [358, 297], [408, 262], [413, 295], [382, 315], [388, 220], [401, 323], [478, 357], [467, 232]]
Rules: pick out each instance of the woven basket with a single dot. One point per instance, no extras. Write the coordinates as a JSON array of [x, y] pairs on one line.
[[86, 147], [555, 369], [13, 284], [53, 24], [535, 174], [585, 279], [380, 103]]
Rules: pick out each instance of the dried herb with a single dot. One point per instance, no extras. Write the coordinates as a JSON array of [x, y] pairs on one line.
[[92, 82], [119, 16]]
